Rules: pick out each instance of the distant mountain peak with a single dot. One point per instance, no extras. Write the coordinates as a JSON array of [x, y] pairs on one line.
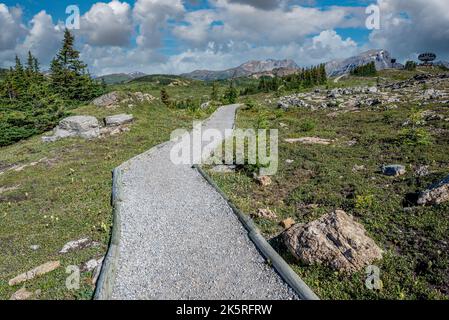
[[381, 57], [246, 69], [121, 77]]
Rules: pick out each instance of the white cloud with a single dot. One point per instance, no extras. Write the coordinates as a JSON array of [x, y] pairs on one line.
[[108, 24], [152, 16], [10, 26], [241, 22], [116, 36], [409, 27], [43, 38]]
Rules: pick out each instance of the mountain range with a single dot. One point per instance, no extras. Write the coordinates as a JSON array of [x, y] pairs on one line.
[[244, 70], [381, 58], [271, 67], [121, 77]]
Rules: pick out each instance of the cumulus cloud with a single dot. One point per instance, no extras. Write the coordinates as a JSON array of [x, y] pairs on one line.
[[409, 27], [328, 45], [118, 36], [10, 26], [240, 22], [262, 4], [152, 17], [108, 24], [43, 38]]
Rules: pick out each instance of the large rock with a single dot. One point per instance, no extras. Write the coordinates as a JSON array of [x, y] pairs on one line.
[[394, 170], [108, 99], [86, 127], [335, 240], [118, 120], [436, 194]]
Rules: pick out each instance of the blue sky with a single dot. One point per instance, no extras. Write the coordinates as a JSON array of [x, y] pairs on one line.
[[176, 36]]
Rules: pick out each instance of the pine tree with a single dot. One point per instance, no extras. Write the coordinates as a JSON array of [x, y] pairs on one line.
[[69, 74], [231, 94], [165, 98], [30, 65], [214, 94]]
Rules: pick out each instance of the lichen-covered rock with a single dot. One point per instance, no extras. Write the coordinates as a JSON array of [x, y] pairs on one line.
[[108, 99], [436, 194], [21, 294], [335, 240], [287, 223], [119, 119], [265, 214], [77, 245], [40, 270], [262, 180]]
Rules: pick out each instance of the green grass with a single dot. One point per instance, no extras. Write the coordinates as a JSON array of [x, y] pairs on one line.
[[67, 197], [416, 242]]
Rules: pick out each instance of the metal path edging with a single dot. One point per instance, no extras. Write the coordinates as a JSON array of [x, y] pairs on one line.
[[278, 263], [103, 289]]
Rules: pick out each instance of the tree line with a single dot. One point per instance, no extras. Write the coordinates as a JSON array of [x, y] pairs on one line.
[[367, 70], [32, 102], [304, 78]]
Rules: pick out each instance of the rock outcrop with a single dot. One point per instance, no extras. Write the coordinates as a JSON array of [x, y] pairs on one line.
[[86, 127], [436, 194], [114, 98], [335, 240], [108, 99]]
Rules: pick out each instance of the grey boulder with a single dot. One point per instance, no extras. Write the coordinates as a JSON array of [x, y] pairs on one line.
[[393, 170], [119, 119], [86, 127]]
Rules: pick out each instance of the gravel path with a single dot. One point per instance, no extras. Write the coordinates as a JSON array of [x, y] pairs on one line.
[[181, 240]]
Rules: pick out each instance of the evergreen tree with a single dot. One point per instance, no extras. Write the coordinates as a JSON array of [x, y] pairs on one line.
[[165, 98], [69, 75], [214, 95], [367, 70], [410, 66], [231, 94]]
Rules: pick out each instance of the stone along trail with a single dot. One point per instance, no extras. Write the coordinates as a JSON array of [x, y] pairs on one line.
[[179, 239]]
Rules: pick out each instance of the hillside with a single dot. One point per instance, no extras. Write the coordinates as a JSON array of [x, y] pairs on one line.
[[116, 78], [334, 143], [163, 79], [243, 70]]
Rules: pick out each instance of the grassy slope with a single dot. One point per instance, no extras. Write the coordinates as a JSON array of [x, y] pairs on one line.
[[69, 197], [416, 260]]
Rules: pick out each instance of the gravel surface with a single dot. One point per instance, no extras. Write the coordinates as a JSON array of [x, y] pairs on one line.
[[181, 240]]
